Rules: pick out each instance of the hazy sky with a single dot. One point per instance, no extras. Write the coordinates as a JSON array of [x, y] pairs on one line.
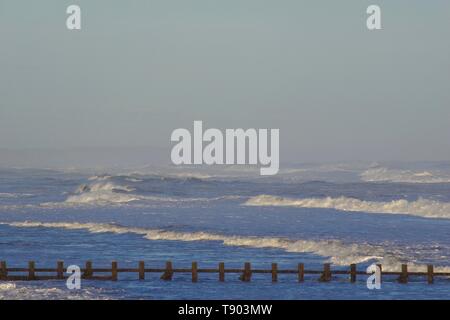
[[139, 69]]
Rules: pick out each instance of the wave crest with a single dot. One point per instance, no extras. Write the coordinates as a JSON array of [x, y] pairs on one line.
[[421, 207], [100, 192], [403, 176], [336, 251]]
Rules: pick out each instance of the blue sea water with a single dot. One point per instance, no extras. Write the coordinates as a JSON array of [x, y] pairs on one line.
[[311, 214]]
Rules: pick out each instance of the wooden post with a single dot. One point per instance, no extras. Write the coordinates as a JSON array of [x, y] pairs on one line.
[[274, 272], [60, 270], [88, 272], [3, 270], [31, 273], [194, 271], [301, 272], [221, 272], [247, 275], [381, 272], [114, 271], [141, 270], [167, 275], [326, 275], [430, 273], [248, 271], [404, 275], [353, 273]]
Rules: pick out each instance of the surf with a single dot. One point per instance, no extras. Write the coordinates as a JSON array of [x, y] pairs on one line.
[[335, 251], [421, 207]]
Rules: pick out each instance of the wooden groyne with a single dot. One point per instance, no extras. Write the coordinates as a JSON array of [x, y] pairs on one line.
[[245, 274]]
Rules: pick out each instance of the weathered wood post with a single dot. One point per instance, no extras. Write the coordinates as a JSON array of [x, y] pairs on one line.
[[3, 270], [274, 272], [301, 272], [88, 270], [353, 273], [221, 272], [60, 270], [168, 273], [380, 267], [326, 275], [141, 270], [247, 275], [31, 272], [430, 273], [248, 271], [404, 275], [194, 271], [114, 271]]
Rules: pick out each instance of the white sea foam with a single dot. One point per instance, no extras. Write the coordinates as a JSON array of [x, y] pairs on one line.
[[421, 207], [192, 175], [100, 198], [96, 194], [138, 176], [106, 193], [7, 286], [14, 195], [120, 198], [116, 199], [102, 193], [99, 187], [336, 251], [8, 195], [100, 178], [20, 291], [403, 176], [131, 179]]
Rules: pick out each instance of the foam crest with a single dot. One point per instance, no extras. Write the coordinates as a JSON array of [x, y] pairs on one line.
[[336, 251], [421, 207], [120, 198], [99, 187], [100, 178], [403, 176], [21, 291], [100, 198], [8, 195], [102, 193], [14, 195]]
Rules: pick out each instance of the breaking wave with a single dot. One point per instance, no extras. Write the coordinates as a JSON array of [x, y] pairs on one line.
[[100, 178], [21, 291], [108, 193], [421, 207], [99, 187], [100, 198], [337, 252], [403, 176], [99, 193]]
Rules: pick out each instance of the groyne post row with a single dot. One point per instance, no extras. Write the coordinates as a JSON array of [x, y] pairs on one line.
[[167, 273]]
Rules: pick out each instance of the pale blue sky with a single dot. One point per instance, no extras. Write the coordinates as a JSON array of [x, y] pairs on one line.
[[139, 69]]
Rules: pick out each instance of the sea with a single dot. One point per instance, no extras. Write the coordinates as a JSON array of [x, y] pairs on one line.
[[311, 213]]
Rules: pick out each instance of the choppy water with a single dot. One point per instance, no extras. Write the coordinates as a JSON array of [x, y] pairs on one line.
[[341, 213]]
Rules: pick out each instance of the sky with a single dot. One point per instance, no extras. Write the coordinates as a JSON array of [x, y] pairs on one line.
[[139, 69]]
